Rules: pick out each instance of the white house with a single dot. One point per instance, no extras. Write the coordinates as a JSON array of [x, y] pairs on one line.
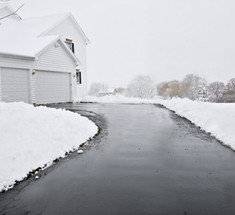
[[43, 59]]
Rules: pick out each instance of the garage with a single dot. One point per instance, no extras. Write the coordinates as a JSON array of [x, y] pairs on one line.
[[46, 76], [15, 85], [52, 87]]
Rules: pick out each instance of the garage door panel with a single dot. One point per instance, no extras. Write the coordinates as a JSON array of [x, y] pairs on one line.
[[15, 85], [52, 87]]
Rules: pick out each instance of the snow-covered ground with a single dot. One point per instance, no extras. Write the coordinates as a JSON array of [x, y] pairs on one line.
[[117, 99], [215, 118], [32, 137]]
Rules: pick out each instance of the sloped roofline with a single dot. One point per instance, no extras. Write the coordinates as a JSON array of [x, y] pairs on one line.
[[59, 40], [69, 15], [37, 55], [10, 8]]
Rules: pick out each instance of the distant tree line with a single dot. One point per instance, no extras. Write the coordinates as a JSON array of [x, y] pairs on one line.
[[195, 87], [192, 87]]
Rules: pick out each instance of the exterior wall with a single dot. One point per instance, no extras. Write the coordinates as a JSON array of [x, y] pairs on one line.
[[56, 59], [66, 29], [16, 62]]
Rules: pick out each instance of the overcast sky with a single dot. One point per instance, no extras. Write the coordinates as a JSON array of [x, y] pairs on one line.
[[165, 39]]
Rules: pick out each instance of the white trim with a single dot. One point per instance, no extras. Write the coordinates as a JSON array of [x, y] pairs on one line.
[[17, 56], [58, 39]]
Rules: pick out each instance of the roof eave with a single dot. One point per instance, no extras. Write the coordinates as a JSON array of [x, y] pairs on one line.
[[16, 56], [57, 39]]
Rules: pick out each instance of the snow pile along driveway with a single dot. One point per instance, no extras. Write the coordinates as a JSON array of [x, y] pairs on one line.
[[117, 99], [31, 137], [215, 118]]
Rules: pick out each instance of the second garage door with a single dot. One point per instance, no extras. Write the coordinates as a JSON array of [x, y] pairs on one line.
[[52, 87]]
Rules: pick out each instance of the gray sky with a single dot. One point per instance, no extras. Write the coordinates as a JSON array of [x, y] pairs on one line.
[[165, 39]]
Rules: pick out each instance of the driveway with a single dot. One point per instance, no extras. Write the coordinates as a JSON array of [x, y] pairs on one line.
[[146, 161]]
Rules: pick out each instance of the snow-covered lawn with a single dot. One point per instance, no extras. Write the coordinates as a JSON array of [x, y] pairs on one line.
[[32, 137], [217, 119]]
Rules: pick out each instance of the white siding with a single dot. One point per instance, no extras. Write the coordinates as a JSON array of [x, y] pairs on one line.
[[55, 58], [15, 62], [15, 85], [66, 29], [52, 87]]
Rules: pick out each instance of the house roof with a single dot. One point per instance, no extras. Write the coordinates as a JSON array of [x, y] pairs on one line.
[[27, 37], [2, 5], [11, 10]]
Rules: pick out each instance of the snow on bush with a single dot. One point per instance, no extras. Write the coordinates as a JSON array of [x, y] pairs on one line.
[[31, 137]]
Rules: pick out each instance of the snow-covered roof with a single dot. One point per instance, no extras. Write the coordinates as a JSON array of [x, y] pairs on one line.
[[27, 37], [2, 5], [18, 38]]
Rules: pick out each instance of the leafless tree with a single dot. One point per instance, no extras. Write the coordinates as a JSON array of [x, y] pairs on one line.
[[162, 89], [229, 91], [231, 85], [215, 91], [169, 89], [11, 14], [142, 87], [194, 87]]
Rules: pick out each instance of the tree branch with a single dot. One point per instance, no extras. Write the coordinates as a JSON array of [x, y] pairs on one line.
[[14, 13]]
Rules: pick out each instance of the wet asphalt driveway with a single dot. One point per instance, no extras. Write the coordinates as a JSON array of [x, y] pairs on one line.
[[146, 161]]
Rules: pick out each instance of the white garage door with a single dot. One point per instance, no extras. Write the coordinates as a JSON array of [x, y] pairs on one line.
[[15, 85], [52, 87]]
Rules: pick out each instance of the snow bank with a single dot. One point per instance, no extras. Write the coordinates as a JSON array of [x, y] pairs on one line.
[[215, 118], [31, 137], [117, 99]]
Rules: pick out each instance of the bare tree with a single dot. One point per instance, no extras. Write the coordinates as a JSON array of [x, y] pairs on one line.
[[215, 91], [142, 87], [174, 89], [13, 13], [231, 85], [162, 89], [229, 92], [169, 89], [194, 87]]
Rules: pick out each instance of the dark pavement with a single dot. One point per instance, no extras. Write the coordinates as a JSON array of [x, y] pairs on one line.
[[146, 161]]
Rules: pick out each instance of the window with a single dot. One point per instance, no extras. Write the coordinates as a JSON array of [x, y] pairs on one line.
[[70, 44], [78, 77]]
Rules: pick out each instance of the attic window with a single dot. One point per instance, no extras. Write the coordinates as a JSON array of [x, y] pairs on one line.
[[70, 44], [78, 76]]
